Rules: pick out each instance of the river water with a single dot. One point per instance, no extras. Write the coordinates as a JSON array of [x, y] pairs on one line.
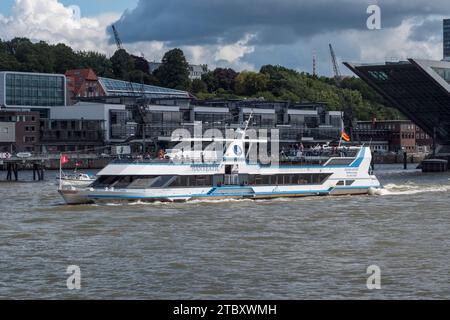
[[313, 248]]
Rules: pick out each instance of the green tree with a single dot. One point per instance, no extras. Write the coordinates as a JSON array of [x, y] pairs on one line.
[[174, 71], [249, 83], [64, 58], [199, 86], [32, 57], [98, 62], [220, 79], [138, 76], [8, 62], [122, 64]]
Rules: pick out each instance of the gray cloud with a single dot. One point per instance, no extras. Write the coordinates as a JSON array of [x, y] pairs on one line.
[[286, 32], [181, 22], [427, 30]]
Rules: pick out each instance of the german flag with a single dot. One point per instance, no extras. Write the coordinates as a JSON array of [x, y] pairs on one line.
[[345, 137]]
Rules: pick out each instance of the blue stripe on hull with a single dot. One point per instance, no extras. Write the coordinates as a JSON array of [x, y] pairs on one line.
[[206, 195]]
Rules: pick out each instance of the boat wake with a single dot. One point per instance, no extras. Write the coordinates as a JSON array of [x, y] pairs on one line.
[[409, 189]]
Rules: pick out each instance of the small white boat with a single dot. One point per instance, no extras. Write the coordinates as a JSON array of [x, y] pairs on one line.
[[76, 179]]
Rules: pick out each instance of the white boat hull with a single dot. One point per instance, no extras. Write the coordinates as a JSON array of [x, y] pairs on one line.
[[86, 196]]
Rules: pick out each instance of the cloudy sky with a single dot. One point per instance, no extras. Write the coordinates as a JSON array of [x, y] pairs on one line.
[[236, 33]]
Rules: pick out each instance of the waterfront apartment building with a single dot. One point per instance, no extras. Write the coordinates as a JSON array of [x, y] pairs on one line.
[[306, 123], [447, 39], [85, 126], [72, 135], [394, 136], [24, 126], [25, 90]]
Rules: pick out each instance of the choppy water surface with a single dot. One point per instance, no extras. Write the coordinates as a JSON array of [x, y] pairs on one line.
[[283, 249]]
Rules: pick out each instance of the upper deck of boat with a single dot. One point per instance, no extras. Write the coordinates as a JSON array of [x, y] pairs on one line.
[[313, 157]]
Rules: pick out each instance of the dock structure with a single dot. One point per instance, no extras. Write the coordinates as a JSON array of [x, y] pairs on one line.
[[14, 165]]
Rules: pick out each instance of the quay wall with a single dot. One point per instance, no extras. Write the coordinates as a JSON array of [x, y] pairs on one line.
[[398, 158]]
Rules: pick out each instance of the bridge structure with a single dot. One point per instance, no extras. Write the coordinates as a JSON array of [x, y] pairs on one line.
[[420, 89]]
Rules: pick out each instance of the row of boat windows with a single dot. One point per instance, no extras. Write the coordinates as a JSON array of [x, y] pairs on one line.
[[287, 179], [143, 182]]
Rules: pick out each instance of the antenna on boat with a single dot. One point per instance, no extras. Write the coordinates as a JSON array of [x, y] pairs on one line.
[[247, 124]]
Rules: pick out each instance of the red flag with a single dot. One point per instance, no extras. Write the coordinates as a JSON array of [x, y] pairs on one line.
[[64, 159], [346, 137]]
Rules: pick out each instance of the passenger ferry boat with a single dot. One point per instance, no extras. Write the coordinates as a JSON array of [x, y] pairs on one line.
[[346, 171]]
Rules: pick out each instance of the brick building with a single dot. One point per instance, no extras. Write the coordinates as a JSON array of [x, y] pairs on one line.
[[393, 136], [83, 83], [27, 125]]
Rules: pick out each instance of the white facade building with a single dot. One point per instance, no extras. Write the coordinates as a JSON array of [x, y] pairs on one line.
[[91, 111]]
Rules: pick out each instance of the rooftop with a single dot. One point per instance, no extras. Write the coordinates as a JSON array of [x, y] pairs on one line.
[[115, 87]]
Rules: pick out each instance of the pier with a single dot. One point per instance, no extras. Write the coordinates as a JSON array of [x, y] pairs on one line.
[[10, 168], [14, 165]]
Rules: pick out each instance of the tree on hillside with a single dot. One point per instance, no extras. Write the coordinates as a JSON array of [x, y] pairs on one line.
[[122, 64], [285, 83], [98, 62], [141, 73], [64, 58], [174, 71], [199, 86], [141, 64], [32, 57], [220, 78], [250, 83], [8, 62]]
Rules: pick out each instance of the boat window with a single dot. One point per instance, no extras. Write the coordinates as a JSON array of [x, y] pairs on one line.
[[341, 162], [162, 181], [123, 182], [192, 181], [341, 183], [349, 182], [287, 179], [142, 182], [105, 181], [180, 181]]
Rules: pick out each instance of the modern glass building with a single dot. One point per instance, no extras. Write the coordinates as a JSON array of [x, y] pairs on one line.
[[32, 90], [420, 89], [447, 39]]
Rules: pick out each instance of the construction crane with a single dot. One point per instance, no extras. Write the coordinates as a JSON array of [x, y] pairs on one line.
[[120, 47], [334, 62], [348, 117], [117, 38], [141, 104]]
